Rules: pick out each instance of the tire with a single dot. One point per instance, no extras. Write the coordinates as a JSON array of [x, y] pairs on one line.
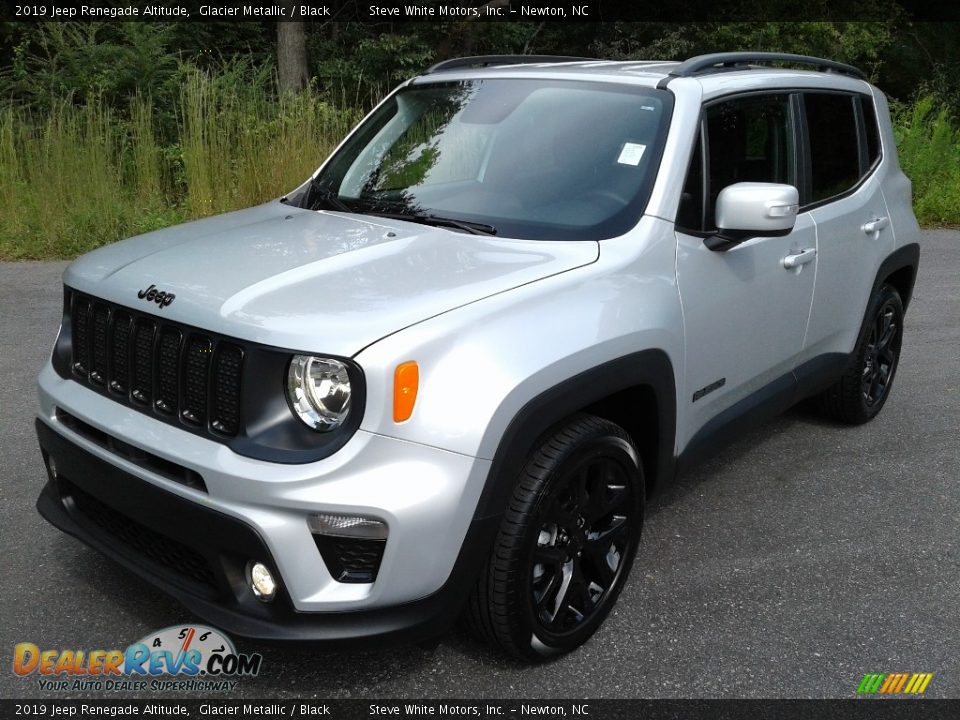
[[864, 387], [565, 544]]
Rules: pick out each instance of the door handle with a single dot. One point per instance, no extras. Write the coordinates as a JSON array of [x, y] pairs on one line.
[[801, 258], [875, 225]]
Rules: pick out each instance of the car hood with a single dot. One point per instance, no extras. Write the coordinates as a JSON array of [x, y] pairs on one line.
[[314, 281]]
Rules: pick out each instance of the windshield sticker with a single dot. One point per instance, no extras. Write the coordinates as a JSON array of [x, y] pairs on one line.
[[631, 154]]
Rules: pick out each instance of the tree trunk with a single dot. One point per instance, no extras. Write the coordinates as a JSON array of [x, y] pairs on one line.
[[292, 56]]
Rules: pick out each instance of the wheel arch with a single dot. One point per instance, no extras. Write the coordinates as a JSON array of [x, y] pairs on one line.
[[899, 269], [635, 391]]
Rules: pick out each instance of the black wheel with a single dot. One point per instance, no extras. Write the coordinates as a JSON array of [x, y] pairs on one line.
[[566, 542], [863, 389]]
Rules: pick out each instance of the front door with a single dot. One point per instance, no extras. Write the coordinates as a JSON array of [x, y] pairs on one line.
[[745, 313]]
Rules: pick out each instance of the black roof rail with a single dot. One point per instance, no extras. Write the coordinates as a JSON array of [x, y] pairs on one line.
[[488, 60], [717, 62]]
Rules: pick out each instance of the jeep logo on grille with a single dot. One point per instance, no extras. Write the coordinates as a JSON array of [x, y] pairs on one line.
[[160, 298]]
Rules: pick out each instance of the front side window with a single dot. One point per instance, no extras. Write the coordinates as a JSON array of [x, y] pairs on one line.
[[747, 139], [526, 158]]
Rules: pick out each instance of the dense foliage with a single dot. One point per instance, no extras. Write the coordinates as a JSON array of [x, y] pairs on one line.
[[109, 129]]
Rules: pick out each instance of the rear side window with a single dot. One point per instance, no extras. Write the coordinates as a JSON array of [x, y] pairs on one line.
[[834, 147]]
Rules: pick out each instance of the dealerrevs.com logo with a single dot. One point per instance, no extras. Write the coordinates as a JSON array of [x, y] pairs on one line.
[[182, 658]]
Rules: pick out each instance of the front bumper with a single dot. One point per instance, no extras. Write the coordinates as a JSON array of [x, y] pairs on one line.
[[197, 555], [236, 506]]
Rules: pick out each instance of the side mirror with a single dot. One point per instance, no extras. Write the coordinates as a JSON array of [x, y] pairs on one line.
[[750, 209]]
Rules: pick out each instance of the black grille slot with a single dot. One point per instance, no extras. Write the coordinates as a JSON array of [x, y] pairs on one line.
[[228, 363], [120, 353], [81, 336], [98, 364], [196, 379], [143, 362], [164, 368], [141, 540], [351, 560], [168, 354]]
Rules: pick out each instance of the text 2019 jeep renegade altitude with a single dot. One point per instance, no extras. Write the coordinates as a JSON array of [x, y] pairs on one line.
[[444, 375]]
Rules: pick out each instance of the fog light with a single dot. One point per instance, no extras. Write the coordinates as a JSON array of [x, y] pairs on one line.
[[347, 526], [261, 581]]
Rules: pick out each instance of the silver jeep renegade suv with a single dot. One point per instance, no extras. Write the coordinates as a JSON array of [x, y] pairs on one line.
[[443, 376]]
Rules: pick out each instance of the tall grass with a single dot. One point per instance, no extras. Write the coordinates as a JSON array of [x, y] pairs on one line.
[[61, 181], [145, 155], [241, 146], [84, 176]]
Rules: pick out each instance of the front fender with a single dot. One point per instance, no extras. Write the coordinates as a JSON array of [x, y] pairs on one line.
[[497, 373]]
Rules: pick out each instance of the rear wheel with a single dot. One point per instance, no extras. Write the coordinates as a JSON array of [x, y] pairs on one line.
[[566, 542], [863, 389]]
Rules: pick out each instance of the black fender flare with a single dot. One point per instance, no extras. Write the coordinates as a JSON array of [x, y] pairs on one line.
[[907, 256], [649, 368]]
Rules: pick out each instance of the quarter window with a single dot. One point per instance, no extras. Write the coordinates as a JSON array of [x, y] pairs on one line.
[[690, 212], [871, 130]]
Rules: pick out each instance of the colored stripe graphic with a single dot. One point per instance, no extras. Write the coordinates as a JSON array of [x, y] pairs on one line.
[[871, 683], [888, 684], [894, 683], [918, 683]]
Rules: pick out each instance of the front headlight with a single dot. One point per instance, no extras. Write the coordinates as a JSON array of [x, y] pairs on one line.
[[319, 391]]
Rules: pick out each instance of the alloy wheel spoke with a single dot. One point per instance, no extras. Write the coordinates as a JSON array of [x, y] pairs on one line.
[[886, 355], [596, 556], [585, 479], [605, 499], [603, 538], [563, 591], [886, 340], [883, 374], [577, 601], [546, 593], [885, 327], [550, 555]]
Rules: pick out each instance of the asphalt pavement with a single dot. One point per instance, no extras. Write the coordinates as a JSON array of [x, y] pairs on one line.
[[790, 565]]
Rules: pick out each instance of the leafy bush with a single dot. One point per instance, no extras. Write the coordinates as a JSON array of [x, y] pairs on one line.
[[929, 147]]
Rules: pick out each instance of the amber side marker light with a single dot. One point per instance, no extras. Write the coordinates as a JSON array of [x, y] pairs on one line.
[[406, 380]]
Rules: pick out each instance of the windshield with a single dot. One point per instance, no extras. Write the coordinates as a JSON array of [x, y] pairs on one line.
[[520, 158]]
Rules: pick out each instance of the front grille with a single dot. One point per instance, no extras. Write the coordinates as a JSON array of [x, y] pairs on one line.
[[173, 371], [141, 540]]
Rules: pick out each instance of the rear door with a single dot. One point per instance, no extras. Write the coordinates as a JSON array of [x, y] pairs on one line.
[[843, 196], [745, 314]]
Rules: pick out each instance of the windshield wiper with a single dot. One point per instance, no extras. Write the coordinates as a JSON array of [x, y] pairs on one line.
[[328, 196], [474, 228]]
